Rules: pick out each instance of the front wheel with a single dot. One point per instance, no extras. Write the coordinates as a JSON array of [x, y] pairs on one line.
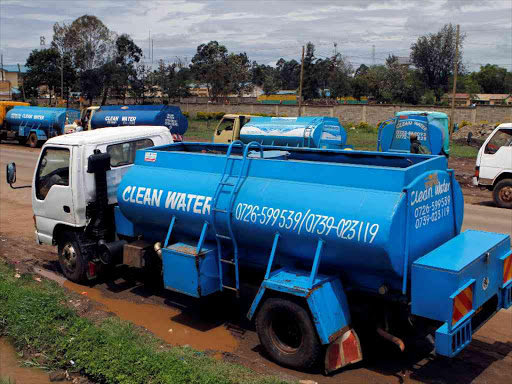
[[502, 193], [287, 333], [71, 258], [33, 140]]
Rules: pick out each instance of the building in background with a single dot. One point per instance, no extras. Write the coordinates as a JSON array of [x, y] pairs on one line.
[[11, 79], [466, 99]]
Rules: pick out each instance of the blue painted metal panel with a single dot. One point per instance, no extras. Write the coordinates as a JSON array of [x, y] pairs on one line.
[[123, 225], [189, 272], [309, 131], [158, 115], [326, 292]]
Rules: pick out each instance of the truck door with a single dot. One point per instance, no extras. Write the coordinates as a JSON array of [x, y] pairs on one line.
[[225, 131], [52, 198], [497, 154]]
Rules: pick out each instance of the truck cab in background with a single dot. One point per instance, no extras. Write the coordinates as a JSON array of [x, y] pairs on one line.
[[228, 129], [493, 168]]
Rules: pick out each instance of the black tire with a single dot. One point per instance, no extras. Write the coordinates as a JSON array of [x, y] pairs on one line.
[[502, 193], [71, 257], [33, 141], [287, 333]]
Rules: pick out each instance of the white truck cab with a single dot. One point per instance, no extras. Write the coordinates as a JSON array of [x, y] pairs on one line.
[[65, 191], [494, 165]]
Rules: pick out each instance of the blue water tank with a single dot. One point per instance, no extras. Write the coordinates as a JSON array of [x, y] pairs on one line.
[[354, 201], [157, 115], [308, 131], [25, 119]]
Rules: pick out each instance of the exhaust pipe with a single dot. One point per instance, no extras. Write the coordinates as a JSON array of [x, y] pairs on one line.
[[388, 336]]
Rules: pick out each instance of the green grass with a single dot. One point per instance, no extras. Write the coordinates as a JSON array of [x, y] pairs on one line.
[[34, 317], [200, 129], [462, 150]]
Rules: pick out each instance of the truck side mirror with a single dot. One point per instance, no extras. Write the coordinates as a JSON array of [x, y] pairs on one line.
[[10, 173]]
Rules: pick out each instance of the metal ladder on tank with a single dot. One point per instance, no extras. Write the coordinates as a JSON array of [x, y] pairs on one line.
[[307, 133], [223, 183]]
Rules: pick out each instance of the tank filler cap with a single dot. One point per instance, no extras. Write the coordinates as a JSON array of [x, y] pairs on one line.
[[383, 289]]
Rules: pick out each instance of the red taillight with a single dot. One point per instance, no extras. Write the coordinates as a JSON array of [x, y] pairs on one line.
[[92, 270], [477, 172]]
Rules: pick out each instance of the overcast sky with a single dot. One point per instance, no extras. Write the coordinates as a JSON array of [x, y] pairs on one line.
[[269, 30]]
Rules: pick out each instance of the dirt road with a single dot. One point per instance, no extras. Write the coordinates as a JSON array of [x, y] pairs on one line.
[[221, 324]]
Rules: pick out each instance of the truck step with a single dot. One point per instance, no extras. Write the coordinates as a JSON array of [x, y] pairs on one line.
[[227, 261], [223, 236]]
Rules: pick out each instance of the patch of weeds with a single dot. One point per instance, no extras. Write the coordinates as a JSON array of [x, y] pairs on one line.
[[35, 318]]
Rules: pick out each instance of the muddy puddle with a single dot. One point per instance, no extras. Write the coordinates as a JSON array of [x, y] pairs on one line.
[[11, 370], [168, 324]]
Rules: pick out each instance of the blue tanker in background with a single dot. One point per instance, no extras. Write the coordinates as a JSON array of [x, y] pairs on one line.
[[34, 125], [431, 128], [132, 115]]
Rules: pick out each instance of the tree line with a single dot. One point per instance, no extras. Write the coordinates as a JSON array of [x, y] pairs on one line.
[[99, 63]]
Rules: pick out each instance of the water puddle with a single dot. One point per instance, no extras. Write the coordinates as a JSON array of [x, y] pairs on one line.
[[168, 324], [10, 368]]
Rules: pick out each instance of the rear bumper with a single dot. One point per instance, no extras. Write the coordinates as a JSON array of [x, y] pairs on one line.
[[449, 342], [462, 284]]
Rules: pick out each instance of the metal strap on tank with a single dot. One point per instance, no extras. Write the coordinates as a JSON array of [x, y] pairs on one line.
[[309, 129]]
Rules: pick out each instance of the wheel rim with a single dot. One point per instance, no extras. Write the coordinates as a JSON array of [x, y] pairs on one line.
[[506, 194], [285, 332], [69, 257]]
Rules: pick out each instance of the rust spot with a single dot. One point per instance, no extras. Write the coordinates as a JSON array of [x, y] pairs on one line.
[[339, 333], [185, 249], [313, 290]]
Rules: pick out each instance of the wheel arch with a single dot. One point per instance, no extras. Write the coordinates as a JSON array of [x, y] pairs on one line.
[[60, 229], [502, 176]]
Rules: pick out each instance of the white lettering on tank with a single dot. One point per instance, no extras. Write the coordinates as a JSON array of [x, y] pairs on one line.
[[126, 192], [197, 204], [147, 197], [206, 206], [155, 199], [190, 197], [140, 195], [172, 199], [182, 205], [132, 200]]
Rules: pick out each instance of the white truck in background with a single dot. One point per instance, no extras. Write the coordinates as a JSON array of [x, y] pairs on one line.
[[494, 165]]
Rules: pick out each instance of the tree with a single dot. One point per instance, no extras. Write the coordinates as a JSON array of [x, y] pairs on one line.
[[434, 56], [492, 79], [271, 84], [173, 79], [209, 66], [340, 77], [311, 83], [239, 69], [289, 73], [44, 69], [87, 40]]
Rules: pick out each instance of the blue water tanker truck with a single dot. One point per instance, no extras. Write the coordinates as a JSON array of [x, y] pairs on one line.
[[340, 243], [155, 115], [308, 131], [430, 127], [34, 125]]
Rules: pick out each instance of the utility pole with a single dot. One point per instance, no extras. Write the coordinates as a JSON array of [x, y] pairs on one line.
[[20, 79], [373, 54], [62, 77], [2, 64], [455, 70], [301, 80]]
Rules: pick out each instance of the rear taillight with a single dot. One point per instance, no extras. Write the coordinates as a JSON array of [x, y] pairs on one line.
[[477, 172]]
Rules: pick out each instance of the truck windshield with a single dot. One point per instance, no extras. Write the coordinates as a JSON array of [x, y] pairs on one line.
[[502, 138], [226, 125], [53, 170]]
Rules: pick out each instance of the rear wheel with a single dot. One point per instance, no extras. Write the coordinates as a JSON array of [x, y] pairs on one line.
[[502, 193], [33, 140], [287, 333], [71, 258]]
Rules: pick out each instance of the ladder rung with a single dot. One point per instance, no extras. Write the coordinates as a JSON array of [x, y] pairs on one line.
[[227, 261], [220, 210], [223, 236], [230, 288]]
